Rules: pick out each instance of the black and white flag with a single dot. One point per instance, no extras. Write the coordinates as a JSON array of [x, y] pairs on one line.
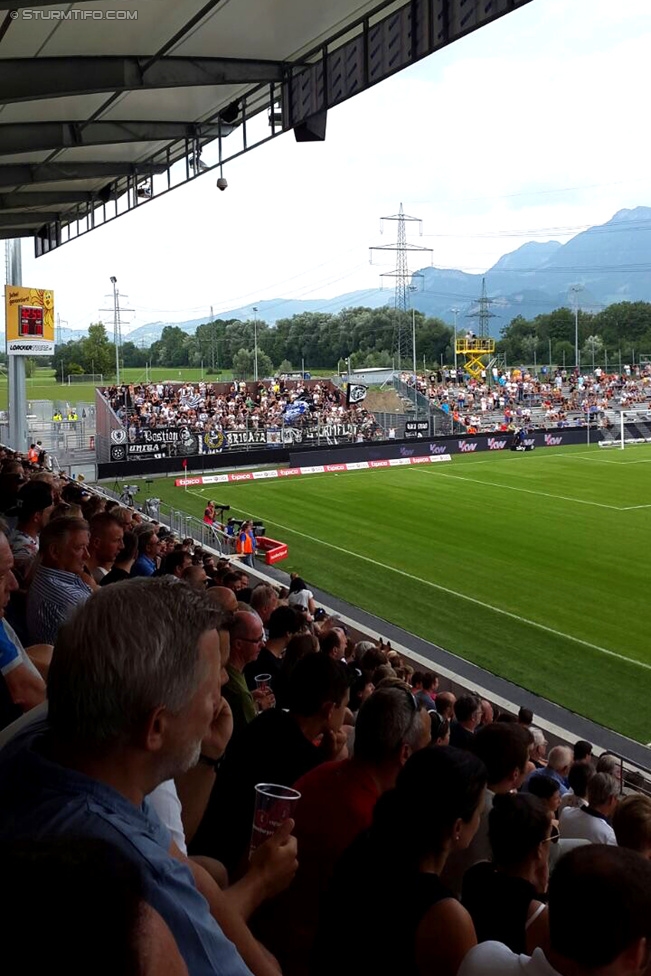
[[355, 393]]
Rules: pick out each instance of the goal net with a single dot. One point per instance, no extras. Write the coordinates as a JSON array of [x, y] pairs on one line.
[[85, 378], [633, 427]]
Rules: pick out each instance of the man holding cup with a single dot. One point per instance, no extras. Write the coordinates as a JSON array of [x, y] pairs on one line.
[[247, 638], [275, 748]]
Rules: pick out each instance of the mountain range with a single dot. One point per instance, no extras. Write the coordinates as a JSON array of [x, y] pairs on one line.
[[609, 263]]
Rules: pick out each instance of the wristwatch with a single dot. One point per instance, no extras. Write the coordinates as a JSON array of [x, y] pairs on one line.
[[207, 761]]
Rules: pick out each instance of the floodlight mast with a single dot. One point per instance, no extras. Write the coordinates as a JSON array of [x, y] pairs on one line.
[[116, 328], [117, 325]]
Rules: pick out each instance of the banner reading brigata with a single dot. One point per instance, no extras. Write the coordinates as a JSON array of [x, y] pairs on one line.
[[29, 318]]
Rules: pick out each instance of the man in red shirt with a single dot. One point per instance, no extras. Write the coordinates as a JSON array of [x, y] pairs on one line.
[[337, 801]]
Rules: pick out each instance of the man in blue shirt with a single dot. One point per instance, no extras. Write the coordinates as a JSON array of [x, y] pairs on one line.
[[148, 549], [558, 766], [133, 687], [60, 583]]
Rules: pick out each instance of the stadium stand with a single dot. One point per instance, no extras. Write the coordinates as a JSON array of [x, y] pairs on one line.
[[503, 400], [118, 775], [516, 398], [240, 406]]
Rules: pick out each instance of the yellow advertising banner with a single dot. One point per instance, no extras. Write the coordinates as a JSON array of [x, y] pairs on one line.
[[29, 321]]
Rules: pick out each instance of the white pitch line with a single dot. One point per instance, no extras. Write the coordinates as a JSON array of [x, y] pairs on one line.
[[450, 592], [526, 491]]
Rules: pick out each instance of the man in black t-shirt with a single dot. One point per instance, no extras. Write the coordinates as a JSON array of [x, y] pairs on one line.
[[276, 747], [283, 623]]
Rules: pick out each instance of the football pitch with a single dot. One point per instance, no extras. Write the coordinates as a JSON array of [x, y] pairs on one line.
[[533, 566]]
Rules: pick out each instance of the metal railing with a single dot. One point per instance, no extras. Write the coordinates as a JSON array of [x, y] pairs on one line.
[[442, 422]]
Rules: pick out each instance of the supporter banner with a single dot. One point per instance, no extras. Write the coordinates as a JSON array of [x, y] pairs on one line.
[[163, 442], [240, 438], [330, 432], [355, 393], [221, 479], [182, 442], [178, 441], [417, 428], [212, 442], [139, 452]]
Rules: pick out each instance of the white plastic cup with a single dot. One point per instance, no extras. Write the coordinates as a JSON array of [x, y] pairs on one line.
[[274, 804], [262, 683]]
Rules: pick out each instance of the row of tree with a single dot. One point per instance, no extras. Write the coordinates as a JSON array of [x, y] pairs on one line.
[[368, 337], [621, 331], [316, 340]]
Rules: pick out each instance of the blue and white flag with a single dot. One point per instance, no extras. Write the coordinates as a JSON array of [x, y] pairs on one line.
[[295, 410]]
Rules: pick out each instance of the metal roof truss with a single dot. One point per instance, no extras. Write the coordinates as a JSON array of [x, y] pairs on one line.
[[67, 193]]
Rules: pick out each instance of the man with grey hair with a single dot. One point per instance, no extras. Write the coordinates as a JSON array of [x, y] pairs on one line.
[[558, 766], [264, 600], [60, 583], [592, 823], [132, 690], [608, 763], [337, 802]]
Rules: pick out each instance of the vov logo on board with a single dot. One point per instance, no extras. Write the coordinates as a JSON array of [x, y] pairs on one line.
[[551, 441], [495, 445], [466, 447]]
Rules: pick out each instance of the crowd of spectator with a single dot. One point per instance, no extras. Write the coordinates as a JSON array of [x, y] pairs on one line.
[[148, 689], [206, 407], [557, 398], [505, 400]]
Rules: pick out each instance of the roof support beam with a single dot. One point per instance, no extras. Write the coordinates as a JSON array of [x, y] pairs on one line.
[[19, 174], [25, 79], [16, 137], [44, 198], [27, 218]]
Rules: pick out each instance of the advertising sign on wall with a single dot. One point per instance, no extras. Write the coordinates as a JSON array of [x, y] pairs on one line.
[[29, 317]]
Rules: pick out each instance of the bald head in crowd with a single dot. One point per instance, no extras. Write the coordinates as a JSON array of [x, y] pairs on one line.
[[445, 704], [560, 759], [223, 598]]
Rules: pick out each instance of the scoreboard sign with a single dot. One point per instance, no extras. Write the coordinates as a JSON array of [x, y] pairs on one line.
[[29, 321]]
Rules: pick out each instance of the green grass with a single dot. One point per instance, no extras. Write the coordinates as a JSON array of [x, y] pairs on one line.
[[532, 566]]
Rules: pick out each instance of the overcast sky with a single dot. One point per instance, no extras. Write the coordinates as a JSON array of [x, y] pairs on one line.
[[530, 129]]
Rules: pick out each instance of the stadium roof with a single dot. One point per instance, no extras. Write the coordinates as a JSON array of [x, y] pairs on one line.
[[108, 103]]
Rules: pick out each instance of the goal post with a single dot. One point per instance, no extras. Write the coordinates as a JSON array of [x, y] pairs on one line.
[[97, 378], [634, 428]]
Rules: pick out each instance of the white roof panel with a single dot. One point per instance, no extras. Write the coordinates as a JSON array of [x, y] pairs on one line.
[[73, 108], [131, 151], [179, 104], [282, 28], [156, 22]]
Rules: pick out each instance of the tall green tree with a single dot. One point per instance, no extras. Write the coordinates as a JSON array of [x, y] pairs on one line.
[[97, 353]]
